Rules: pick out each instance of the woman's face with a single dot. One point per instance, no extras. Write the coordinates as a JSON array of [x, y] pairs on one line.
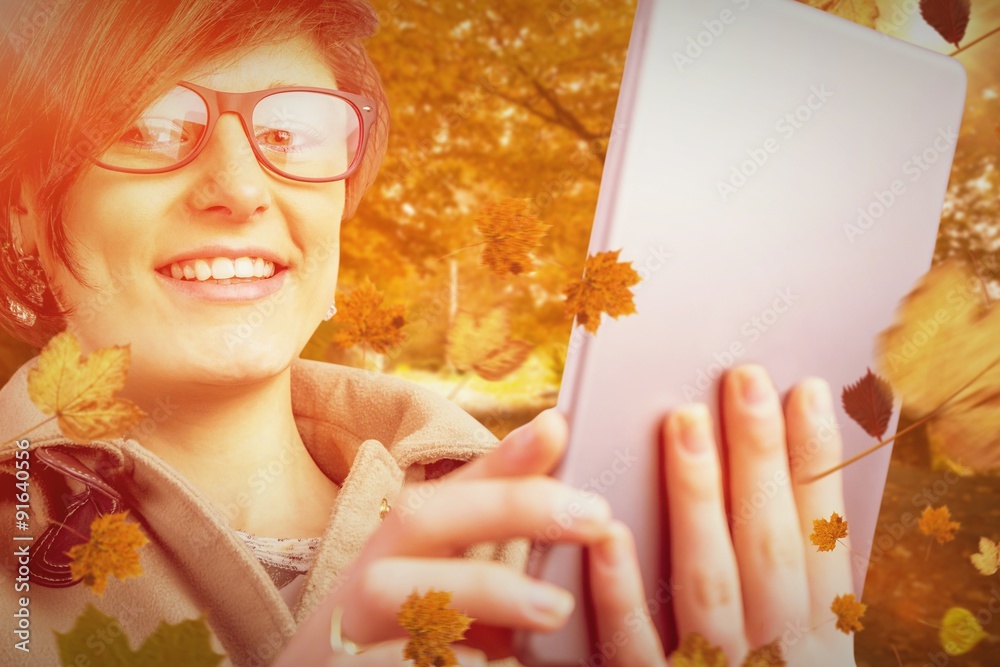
[[126, 231]]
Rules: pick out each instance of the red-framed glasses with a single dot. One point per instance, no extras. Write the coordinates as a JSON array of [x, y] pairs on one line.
[[315, 135]]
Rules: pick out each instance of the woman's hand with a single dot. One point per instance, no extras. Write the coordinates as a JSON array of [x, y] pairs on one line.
[[503, 495], [759, 580]]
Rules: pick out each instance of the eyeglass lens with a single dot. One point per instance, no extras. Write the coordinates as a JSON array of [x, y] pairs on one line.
[[305, 134]]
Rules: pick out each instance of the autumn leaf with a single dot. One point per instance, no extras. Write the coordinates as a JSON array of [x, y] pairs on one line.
[[869, 402], [768, 655], [949, 17], [827, 532], [432, 626], [987, 560], [849, 612], [365, 321], [511, 234], [484, 345], [112, 549], [937, 523], [696, 651], [960, 631], [603, 289], [80, 392], [186, 643], [942, 350], [864, 12]]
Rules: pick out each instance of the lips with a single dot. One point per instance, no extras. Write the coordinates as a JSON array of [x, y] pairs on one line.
[[220, 269], [217, 273]]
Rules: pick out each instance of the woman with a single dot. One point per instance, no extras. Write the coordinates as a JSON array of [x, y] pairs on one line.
[[261, 480]]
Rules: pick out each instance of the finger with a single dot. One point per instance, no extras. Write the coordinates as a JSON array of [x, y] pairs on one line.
[[390, 654], [533, 448], [486, 591], [442, 519], [815, 446], [766, 533], [623, 619], [708, 599]]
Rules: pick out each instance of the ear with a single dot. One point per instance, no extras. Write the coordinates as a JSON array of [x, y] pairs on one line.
[[25, 221]]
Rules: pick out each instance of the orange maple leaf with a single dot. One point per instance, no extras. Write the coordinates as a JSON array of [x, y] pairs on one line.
[[827, 532], [768, 655], [849, 612], [603, 289], [937, 523], [432, 626], [113, 549], [869, 402], [511, 234], [696, 651], [365, 321], [80, 392]]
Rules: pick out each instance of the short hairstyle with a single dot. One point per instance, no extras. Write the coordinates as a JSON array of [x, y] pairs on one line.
[[65, 64]]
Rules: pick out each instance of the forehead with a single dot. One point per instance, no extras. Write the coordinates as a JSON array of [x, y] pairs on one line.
[[297, 61]]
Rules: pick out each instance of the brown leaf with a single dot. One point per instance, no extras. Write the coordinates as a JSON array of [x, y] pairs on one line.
[[768, 655], [80, 392], [937, 523], [511, 234], [826, 533], [849, 612], [603, 289], [365, 321], [432, 626], [696, 651], [483, 345], [949, 17], [869, 402], [111, 550], [863, 12], [943, 337]]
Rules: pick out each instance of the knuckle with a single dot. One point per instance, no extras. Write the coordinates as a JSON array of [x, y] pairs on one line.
[[775, 546], [712, 587]]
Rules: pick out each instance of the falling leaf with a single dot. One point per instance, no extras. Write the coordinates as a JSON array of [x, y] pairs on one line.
[[849, 612], [949, 17], [365, 321], [960, 631], [987, 561], [826, 533], [432, 626], [937, 523], [80, 392], [864, 12], [696, 651], [511, 234], [768, 655], [113, 549], [869, 402], [484, 346], [186, 643], [603, 289], [945, 337]]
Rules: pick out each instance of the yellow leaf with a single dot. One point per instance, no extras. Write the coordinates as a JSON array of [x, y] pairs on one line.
[[111, 550], [849, 612], [603, 289], [484, 345], [937, 523], [826, 533], [987, 561], [768, 655], [80, 392], [432, 626], [864, 12], [943, 336], [960, 631], [511, 234], [696, 651]]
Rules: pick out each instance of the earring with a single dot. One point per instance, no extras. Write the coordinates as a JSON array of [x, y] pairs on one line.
[[28, 275], [330, 313]]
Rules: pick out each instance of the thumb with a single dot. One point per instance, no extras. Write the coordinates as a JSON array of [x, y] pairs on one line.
[[532, 449]]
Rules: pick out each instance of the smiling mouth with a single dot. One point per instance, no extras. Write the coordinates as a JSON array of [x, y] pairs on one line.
[[222, 270]]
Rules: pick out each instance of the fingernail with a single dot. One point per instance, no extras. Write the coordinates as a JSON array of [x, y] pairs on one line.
[[755, 388], [517, 445], [614, 551], [469, 657], [588, 508], [820, 401], [689, 425], [550, 605]]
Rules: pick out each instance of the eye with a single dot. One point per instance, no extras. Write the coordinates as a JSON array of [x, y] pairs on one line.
[[289, 139], [154, 132]]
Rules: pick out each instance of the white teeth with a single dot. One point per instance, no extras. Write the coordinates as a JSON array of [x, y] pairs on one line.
[[221, 268]]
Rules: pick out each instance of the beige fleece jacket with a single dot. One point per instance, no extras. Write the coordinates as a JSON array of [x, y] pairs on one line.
[[369, 433]]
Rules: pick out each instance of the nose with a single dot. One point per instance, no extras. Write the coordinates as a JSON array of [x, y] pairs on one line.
[[227, 180]]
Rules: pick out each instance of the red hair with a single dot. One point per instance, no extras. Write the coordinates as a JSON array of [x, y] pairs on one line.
[[65, 63]]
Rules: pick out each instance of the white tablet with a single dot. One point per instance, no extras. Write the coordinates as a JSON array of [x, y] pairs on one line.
[[776, 175]]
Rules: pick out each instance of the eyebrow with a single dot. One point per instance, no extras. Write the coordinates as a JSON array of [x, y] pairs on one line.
[[283, 84]]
